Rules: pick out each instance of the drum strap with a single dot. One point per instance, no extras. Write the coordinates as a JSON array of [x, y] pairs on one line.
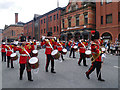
[[26, 51], [9, 48], [50, 45], [83, 45], [61, 45]]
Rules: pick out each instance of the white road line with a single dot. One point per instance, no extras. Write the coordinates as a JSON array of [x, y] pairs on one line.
[[116, 67]]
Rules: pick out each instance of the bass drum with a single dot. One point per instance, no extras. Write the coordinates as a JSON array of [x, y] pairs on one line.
[[34, 53], [14, 56], [55, 54], [88, 53], [34, 62], [64, 51]]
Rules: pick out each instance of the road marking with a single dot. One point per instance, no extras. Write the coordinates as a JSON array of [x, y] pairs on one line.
[[116, 67]]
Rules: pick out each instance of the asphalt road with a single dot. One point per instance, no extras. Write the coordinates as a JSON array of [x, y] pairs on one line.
[[68, 74]]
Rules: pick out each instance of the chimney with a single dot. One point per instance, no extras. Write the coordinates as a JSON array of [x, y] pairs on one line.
[[16, 18]]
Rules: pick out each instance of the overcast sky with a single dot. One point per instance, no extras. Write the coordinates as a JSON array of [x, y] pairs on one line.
[[25, 9]]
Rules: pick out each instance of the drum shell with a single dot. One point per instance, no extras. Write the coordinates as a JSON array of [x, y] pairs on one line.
[[87, 55], [14, 58], [34, 66], [75, 49], [56, 56]]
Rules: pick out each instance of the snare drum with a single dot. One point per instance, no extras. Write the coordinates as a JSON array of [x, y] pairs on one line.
[[75, 48], [55, 54], [88, 53], [34, 62], [64, 51], [13, 56], [34, 53], [103, 49]]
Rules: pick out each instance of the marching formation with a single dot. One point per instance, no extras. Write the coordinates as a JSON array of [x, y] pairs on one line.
[[54, 49]]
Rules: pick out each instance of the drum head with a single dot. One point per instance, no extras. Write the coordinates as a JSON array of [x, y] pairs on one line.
[[33, 60], [64, 50], [75, 47], [88, 52], [103, 49], [13, 55], [54, 52], [35, 51]]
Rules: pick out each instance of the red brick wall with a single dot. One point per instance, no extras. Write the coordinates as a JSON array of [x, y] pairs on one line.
[[112, 28]]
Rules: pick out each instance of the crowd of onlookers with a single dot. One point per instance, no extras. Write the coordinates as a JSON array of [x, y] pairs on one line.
[[112, 48]]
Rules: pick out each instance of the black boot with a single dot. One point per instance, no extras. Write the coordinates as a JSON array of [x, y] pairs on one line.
[[87, 75], [101, 80], [52, 71], [29, 76]]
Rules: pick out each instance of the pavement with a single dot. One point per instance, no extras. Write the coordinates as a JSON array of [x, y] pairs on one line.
[[68, 74]]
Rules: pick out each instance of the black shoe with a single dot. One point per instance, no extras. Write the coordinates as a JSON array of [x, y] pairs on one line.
[[69, 56], [63, 59], [12, 67], [46, 70], [20, 78], [79, 64], [87, 75], [85, 65], [53, 72], [30, 80], [101, 80], [74, 57]]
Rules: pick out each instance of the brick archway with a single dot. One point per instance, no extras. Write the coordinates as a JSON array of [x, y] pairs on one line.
[[107, 35]]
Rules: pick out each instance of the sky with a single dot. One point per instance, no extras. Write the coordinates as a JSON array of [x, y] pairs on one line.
[[25, 9]]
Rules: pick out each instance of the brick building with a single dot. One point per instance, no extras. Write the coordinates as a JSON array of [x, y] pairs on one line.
[[108, 20], [13, 31], [1, 35], [77, 20], [42, 24]]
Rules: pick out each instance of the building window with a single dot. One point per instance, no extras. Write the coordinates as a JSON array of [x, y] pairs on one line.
[[44, 20], [69, 22], [41, 21], [54, 29], [109, 18], [54, 17], [12, 32], [41, 31], [85, 18], [63, 23], [77, 21], [101, 19], [57, 29], [108, 1], [57, 16], [50, 29], [44, 30], [50, 18], [101, 2], [119, 16]]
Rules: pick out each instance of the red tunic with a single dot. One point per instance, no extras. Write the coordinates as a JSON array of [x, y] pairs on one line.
[[23, 56], [28, 48], [55, 45], [82, 47], [59, 47], [3, 48], [48, 48], [9, 48], [95, 50]]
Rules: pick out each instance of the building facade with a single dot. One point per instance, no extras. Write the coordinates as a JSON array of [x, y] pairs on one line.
[[108, 20], [13, 31], [41, 25], [77, 20]]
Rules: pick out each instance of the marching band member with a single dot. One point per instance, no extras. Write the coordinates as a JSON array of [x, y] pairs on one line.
[[82, 49], [60, 47], [49, 56], [96, 56], [24, 57], [72, 48], [3, 52], [9, 52]]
